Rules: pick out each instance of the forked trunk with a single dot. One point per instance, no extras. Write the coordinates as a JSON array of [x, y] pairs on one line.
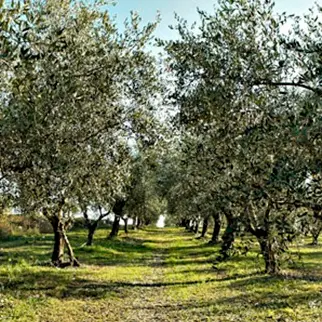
[[73, 261], [60, 241]]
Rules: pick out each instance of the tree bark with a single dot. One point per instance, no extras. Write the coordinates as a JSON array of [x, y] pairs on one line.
[[57, 256], [205, 225], [73, 261], [270, 258], [115, 228], [91, 231], [229, 235], [60, 241], [216, 230], [125, 225], [118, 211], [92, 224], [196, 227], [266, 243]]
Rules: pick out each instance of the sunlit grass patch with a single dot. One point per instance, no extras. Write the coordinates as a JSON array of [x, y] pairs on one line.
[[154, 275]]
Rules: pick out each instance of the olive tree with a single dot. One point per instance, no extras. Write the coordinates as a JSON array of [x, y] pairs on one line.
[[238, 80], [73, 89]]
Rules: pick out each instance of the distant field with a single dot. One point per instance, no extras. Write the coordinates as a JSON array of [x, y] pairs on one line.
[[153, 275]]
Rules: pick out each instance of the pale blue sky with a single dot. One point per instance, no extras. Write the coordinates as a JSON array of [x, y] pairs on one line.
[[187, 9]]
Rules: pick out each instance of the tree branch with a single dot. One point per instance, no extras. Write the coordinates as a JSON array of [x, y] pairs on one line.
[[102, 215], [315, 90]]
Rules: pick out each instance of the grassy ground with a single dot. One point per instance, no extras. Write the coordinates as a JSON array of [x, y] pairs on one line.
[[153, 275]]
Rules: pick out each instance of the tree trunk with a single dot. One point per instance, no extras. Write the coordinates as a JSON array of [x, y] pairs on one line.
[[191, 226], [315, 239], [316, 229], [134, 223], [196, 228], [57, 256], [115, 228], [270, 257], [216, 231], [204, 227], [125, 225], [229, 235], [91, 231], [118, 211], [60, 241], [73, 261], [138, 223]]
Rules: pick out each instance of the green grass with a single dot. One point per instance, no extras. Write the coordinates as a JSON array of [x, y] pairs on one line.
[[153, 275]]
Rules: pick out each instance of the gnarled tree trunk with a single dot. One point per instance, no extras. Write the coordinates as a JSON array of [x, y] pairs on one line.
[[60, 242], [267, 244]]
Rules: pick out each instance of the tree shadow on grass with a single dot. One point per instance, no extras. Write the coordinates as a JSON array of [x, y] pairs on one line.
[[117, 252], [71, 283], [65, 284], [237, 304]]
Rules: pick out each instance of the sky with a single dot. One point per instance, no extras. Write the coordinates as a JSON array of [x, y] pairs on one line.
[[187, 9]]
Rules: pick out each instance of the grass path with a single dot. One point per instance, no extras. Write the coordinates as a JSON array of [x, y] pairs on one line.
[[152, 275]]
